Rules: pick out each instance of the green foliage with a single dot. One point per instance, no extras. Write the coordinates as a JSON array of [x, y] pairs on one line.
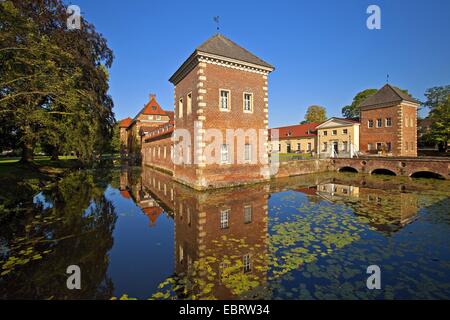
[[440, 127], [53, 82], [352, 111], [115, 141], [315, 114], [436, 97]]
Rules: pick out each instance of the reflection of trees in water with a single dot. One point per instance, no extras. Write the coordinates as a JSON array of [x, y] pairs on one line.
[[75, 229]]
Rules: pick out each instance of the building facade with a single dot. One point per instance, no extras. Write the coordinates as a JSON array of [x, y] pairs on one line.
[[220, 103], [132, 130], [300, 139], [337, 137], [389, 123]]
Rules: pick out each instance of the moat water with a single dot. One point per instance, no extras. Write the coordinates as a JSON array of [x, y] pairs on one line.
[[135, 233]]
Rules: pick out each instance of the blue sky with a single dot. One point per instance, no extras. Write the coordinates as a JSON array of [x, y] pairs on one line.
[[322, 50]]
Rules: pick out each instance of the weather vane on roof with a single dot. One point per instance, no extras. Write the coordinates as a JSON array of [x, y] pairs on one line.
[[216, 20], [387, 78]]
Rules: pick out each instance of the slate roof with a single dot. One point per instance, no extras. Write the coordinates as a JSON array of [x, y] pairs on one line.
[[222, 46], [385, 97]]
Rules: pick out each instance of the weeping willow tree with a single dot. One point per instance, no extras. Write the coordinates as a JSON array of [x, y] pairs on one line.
[[53, 81]]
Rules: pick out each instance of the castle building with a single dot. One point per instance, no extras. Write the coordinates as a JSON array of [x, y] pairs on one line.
[[389, 123], [150, 117], [300, 139], [220, 88]]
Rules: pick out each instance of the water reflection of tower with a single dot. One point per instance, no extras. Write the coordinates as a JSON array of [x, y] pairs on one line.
[[226, 229]]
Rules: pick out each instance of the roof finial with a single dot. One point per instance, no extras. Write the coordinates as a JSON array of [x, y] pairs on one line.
[[217, 21], [387, 79]]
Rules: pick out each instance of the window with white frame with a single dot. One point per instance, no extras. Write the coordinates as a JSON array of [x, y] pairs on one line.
[[379, 123], [411, 122], [224, 218], [388, 122], [158, 117], [180, 108], [325, 146], [247, 214], [344, 131], [344, 146], [189, 103], [224, 100], [248, 102], [406, 121], [247, 263], [224, 156], [309, 148], [334, 132], [248, 152], [370, 124]]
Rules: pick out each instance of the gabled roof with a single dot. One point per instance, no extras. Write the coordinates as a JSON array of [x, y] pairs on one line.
[[340, 121], [296, 131], [222, 46], [386, 97], [125, 123], [153, 108], [219, 46]]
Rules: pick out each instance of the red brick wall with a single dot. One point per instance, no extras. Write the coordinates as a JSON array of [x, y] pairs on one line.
[[204, 81], [153, 153]]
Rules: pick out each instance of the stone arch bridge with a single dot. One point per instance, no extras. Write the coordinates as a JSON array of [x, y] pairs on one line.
[[410, 167]]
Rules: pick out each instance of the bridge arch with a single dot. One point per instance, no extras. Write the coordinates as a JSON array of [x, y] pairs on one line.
[[426, 174], [348, 169], [383, 171]]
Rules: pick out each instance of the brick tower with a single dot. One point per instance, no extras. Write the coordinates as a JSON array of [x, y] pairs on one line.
[[389, 123], [221, 86]]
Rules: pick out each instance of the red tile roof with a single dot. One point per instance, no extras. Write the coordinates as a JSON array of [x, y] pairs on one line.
[[296, 131], [125, 123], [171, 115], [153, 107]]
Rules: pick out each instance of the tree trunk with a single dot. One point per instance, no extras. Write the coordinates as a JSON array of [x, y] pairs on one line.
[[55, 155], [27, 153]]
